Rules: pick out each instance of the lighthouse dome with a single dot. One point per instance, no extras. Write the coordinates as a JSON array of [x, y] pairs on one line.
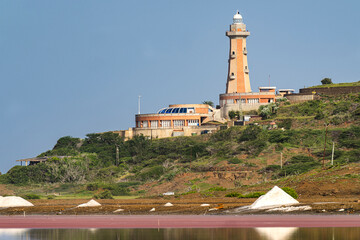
[[237, 18]]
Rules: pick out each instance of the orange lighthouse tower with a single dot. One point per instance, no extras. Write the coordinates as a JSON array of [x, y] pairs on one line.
[[238, 80], [238, 95]]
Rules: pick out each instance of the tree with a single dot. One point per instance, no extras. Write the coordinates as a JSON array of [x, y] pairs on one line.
[[210, 103], [326, 81], [234, 115]]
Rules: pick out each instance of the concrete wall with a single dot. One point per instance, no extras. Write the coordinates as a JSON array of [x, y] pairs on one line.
[[239, 107], [331, 90], [297, 98], [154, 133]]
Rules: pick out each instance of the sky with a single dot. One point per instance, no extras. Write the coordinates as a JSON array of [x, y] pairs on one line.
[[69, 68]]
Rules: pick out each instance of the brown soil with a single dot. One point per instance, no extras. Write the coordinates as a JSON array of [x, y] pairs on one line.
[[181, 206], [327, 191]]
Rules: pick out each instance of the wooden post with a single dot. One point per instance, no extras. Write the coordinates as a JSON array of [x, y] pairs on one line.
[[281, 155], [332, 154]]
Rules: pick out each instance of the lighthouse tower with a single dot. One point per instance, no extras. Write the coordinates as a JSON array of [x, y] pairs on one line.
[[238, 80], [238, 95]]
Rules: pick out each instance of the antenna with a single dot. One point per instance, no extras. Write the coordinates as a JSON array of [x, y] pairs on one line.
[[269, 80], [139, 104]]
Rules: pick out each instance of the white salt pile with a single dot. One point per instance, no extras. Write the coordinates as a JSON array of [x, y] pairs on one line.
[[273, 198], [119, 210], [13, 201], [205, 205], [152, 210], [290, 209], [91, 203], [168, 204]]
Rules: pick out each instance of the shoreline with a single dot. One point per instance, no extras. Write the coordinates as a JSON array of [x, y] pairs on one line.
[[176, 221]]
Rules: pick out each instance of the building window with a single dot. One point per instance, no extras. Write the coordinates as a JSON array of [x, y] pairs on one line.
[[182, 110], [165, 123], [253, 100], [145, 124], [154, 124], [243, 101], [193, 122], [179, 123], [138, 124], [176, 110], [191, 110]]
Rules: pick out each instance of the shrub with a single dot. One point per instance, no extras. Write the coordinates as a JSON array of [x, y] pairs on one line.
[[252, 195], [51, 197], [92, 187], [290, 191], [104, 195], [325, 81], [298, 164], [151, 173], [31, 196], [271, 168], [286, 123], [120, 191], [233, 194], [214, 189], [235, 161]]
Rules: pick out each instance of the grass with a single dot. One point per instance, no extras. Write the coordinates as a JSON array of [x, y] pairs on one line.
[[352, 84]]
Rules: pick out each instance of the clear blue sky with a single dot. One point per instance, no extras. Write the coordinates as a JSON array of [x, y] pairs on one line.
[[76, 67]]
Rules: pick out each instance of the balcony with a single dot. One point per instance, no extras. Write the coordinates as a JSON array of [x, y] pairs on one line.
[[246, 70], [232, 76], [245, 51], [233, 55]]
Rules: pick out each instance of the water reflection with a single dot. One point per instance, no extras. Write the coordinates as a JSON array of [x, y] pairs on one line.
[[276, 233], [188, 234]]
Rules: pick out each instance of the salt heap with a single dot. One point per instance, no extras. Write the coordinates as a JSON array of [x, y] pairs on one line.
[[13, 201], [91, 203], [274, 198]]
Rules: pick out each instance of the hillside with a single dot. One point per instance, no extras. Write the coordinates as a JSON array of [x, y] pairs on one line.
[[240, 159]]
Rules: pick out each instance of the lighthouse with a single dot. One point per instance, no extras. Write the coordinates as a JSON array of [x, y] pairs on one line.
[[238, 95], [238, 80]]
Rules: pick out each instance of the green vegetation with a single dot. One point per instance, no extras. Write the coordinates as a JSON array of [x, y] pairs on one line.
[[252, 195], [269, 110], [351, 84], [233, 194], [210, 103], [31, 196], [291, 192], [104, 195], [326, 81], [234, 115], [107, 166]]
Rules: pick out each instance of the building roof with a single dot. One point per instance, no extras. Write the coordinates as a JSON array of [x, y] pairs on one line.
[[267, 87]]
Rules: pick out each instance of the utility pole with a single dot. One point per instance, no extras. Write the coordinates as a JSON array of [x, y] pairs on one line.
[[325, 145], [139, 105], [281, 160], [332, 154], [269, 80], [117, 155]]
